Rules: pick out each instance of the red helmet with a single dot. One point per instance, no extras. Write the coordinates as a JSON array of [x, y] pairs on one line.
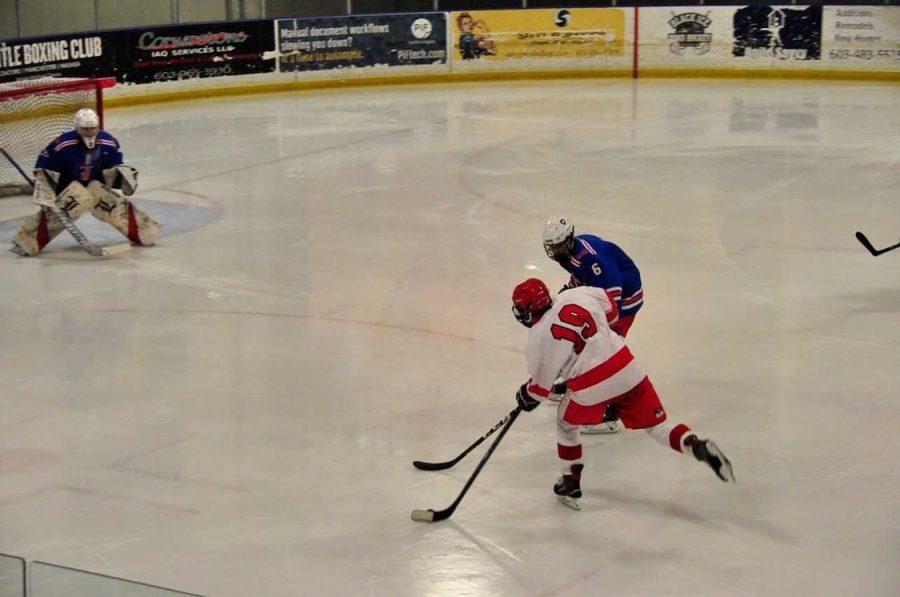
[[530, 299]]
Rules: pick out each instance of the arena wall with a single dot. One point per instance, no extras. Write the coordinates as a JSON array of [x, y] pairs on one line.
[[238, 57]]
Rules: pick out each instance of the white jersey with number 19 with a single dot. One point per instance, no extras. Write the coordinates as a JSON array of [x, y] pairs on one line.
[[573, 340]]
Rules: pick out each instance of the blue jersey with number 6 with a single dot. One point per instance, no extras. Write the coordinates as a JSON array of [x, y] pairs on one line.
[[603, 264]]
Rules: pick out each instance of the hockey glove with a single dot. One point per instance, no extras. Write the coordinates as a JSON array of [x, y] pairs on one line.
[[525, 401], [121, 177]]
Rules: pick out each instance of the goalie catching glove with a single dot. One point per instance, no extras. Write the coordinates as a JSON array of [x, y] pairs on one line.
[[122, 177], [526, 402]]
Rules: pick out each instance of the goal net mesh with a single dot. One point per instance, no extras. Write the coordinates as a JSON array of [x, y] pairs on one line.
[[34, 112]]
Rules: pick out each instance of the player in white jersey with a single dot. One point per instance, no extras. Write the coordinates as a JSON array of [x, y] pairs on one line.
[[571, 338]]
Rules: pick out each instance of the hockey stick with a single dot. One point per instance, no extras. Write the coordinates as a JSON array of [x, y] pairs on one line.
[[67, 222], [436, 515], [875, 252], [439, 466]]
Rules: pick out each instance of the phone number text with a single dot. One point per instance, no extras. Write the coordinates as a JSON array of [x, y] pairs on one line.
[[846, 54]]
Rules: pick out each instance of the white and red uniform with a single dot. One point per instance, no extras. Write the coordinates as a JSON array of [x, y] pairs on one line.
[[573, 340]]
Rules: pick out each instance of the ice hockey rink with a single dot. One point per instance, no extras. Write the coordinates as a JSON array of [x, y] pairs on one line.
[[234, 411]]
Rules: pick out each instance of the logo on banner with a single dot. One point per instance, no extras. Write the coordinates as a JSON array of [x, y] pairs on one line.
[[150, 41], [778, 32], [421, 28], [690, 33], [62, 56], [45, 52], [562, 18]]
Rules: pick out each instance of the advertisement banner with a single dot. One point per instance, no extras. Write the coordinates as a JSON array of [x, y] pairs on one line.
[[498, 35], [691, 33], [688, 37], [865, 37], [160, 54], [359, 41], [764, 32], [78, 56]]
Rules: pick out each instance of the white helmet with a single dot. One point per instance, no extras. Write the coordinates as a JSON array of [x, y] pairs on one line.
[[87, 119], [559, 237]]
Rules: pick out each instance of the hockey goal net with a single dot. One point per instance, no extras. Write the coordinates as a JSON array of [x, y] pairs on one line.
[[33, 112]]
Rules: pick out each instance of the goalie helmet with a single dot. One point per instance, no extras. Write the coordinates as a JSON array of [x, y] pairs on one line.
[[87, 123], [559, 237], [531, 299]]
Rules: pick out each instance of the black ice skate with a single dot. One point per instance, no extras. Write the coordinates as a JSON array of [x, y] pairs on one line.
[[706, 451], [568, 488]]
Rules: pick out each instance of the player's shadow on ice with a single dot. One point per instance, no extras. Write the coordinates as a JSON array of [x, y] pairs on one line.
[[883, 300], [502, 559], [718, 521]]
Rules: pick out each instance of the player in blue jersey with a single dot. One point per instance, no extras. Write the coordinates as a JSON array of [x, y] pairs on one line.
[[593, 261], [81, 171]]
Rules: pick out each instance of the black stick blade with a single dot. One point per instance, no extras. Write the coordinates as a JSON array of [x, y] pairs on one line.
[[875, 252], [432, 515], [433, 466], [865, 242]]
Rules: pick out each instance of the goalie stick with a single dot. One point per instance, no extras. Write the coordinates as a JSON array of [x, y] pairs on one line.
[[438, 515], [875, 252], [439, 466], [68, 224]]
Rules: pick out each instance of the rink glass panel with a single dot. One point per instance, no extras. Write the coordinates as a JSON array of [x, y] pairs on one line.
[[12, 576], [48, 580]]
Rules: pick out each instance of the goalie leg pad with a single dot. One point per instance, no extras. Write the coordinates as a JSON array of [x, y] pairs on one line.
[[142, 229], [35, 232], [38, 230], [123, 215], [75, 200]]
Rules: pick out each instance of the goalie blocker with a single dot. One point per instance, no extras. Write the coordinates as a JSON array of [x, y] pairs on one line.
[[121, 177], [76, 199]]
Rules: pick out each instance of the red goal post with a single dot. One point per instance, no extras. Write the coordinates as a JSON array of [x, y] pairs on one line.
[[33, 112]]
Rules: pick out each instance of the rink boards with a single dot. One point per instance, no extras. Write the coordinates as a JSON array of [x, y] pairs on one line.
[[841, 42]]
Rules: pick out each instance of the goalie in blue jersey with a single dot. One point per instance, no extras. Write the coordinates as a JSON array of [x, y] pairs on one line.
[[82, 170]]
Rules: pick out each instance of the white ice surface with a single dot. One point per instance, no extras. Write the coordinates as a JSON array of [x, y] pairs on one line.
[[234, 411]]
